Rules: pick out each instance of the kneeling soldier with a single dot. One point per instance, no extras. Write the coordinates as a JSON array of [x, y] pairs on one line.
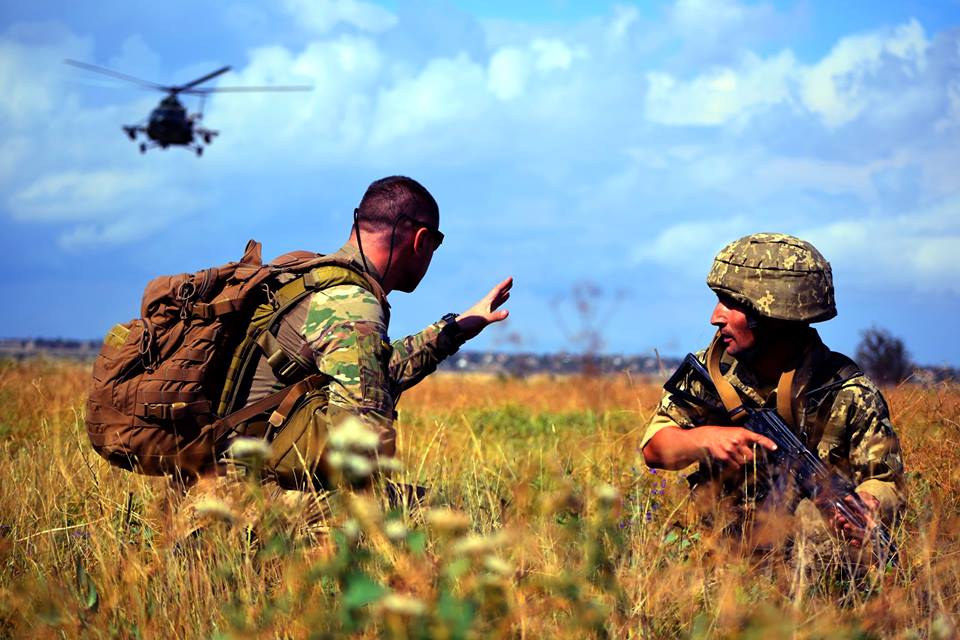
[[770, 288]]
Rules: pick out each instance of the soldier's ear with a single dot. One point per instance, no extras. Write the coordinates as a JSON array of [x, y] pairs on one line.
[[422, 241]]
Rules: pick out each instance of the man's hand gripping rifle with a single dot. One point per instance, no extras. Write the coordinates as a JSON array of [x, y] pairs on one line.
[[829, 489]]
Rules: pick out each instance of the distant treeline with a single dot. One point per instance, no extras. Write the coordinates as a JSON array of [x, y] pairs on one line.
[[514, 364]]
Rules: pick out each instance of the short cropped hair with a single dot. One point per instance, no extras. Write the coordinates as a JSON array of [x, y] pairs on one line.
[[388, 199]]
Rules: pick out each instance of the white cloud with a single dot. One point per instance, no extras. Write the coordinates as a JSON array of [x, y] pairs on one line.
[[720, 95], [678, 243], [838, 88], [916, 250], [103, 206], [31, 77], [323, 15], [77, 195], [512, 69], [698, 17], [508, 72], [447, 90]]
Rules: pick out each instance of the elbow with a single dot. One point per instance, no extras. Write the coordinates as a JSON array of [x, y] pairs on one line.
[[652, 457]]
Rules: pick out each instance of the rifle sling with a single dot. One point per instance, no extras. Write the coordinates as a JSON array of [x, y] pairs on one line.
[[731, 399]]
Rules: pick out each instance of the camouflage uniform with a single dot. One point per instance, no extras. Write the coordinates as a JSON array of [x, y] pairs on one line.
[[844, 417], [343, 330], [848, 426]]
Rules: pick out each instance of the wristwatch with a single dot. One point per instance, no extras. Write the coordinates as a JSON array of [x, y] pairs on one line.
[[452, 330]]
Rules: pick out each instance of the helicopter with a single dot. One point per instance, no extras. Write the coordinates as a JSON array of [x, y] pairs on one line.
[[169, 124]]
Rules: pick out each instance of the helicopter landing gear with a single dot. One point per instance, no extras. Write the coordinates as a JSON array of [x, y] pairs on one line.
[[199, 151], [143, 147], [207, 138]]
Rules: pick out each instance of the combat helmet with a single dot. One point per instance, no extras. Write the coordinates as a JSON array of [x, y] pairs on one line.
[[776, 275]]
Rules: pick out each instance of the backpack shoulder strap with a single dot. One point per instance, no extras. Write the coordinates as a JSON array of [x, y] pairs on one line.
[[325, 272], [839, 370]]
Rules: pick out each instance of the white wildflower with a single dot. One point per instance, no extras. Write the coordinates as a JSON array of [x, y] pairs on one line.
[[252, 451], [395, 530], [353, 435], [358, 467], [478, 545], [403, 605], [608, 495], [389, 465], [351, 529], [215, 509], [499, 566], [448, 521]]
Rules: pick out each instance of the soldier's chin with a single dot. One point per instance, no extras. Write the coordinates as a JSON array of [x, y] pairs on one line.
[[406, 286], [742, 354]]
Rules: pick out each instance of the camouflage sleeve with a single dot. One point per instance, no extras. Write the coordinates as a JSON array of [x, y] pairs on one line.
[[859, 438], [417, 356], [673, 413], [345, 330]]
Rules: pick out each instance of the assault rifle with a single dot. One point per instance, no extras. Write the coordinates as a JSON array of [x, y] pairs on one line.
[[827, 488]]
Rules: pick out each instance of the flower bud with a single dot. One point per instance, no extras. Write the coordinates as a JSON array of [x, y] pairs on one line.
[[448, 521], [250, 451], [608, 495], [353, 435], [395, 530], [215, 509], [403, 605], [499, 566]]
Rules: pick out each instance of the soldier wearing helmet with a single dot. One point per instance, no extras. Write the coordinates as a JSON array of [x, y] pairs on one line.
[[770, 288]]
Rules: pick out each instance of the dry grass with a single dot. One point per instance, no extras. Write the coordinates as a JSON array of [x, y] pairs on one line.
[[87, 550]]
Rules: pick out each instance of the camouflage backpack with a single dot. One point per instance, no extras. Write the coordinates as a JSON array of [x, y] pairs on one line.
[[166, 385]]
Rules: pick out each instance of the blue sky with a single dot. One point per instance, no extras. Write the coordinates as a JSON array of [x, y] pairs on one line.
[[607, 148]]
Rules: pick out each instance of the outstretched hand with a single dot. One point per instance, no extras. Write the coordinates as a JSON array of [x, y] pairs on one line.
[[486, 311]]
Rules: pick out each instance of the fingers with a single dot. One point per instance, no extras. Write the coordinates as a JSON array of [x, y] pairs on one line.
[[502, 288], [763, 441], [497, 316], [500, 293]]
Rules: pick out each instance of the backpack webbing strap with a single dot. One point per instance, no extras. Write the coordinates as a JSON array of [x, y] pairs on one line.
[[284, 366], [288, 365], [285, 398]]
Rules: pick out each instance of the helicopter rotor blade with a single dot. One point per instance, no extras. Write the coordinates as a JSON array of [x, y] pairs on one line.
[[116, 74], [248, 89], [201, 80]]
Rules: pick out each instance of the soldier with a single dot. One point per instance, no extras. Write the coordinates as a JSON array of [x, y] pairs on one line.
[[770, 288], [341, 332], [343, 329]]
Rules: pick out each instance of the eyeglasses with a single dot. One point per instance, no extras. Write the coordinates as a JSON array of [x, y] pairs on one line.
[[437, 234]]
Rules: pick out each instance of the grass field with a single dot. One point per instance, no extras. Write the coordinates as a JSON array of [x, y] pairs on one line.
[[555, 529]]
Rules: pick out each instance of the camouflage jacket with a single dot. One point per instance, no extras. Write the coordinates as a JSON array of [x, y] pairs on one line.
[[848, 425], [343, 330]]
